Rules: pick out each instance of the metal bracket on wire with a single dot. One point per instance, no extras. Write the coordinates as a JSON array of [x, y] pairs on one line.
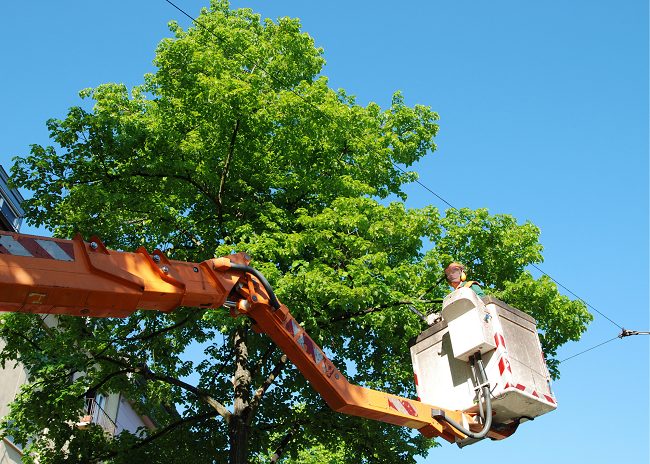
[[627, 333]]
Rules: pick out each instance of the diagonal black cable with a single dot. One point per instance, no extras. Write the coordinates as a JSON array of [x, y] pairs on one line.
[[582, 352], [428, 189], [396, 166], [576, 296]]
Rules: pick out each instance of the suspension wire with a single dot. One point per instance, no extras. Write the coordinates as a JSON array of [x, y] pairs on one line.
[[620, 327], [428, 189], [396, 166], [593, 347], [623, 334]]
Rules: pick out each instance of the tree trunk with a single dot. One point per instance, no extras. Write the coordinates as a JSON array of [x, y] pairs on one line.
[[237, 429]]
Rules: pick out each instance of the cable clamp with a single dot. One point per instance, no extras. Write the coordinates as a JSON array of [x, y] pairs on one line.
[[486, 384], [627, 333]]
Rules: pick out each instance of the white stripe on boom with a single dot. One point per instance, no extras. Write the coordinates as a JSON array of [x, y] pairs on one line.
[[13, 246], [54, 250]]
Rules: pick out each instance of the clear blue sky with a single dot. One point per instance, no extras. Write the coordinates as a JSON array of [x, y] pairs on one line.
[[543, 115]]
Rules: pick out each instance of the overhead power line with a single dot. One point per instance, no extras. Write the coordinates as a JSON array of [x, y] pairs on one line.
[[396, 166], [623, 334], [620, 327], [593, 347]]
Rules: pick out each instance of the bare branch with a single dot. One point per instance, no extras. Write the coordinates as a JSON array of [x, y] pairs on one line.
[[229, 357]]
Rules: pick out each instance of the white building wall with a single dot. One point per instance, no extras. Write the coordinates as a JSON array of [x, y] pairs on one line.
[[117, 407], [9, 454], [127, 418], [11, 378]]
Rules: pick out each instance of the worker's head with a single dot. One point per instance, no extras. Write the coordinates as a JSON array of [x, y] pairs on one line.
[[455, 274]]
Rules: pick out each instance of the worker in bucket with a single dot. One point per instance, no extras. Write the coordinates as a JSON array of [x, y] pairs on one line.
[[457, 278]]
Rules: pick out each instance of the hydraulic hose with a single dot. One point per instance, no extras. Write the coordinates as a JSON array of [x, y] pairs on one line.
[[251, 270], [478, 382], [440, 414]]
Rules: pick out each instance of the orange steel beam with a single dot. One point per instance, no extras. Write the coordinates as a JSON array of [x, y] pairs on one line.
[[73, 277]]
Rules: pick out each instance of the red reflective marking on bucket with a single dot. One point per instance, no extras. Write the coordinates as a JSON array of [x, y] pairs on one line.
[[499, 340], [549, 399], [416, 379], [520, 387], [503, 365], [535, 394]]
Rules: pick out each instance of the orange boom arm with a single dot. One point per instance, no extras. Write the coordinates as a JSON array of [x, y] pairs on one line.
[[73, 277]]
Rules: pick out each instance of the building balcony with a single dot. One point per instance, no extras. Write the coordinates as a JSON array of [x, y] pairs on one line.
[[93, 413]]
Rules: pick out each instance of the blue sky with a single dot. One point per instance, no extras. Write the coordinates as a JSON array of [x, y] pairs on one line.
[[543, 115]]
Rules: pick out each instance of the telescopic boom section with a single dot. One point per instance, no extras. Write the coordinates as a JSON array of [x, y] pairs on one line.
[[73, 277]]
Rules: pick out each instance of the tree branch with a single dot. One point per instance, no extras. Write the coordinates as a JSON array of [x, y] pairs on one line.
[[186, 178], [265, 357], [225, 172], [156, 435], [276, 425], [184, 232], [229, 358], [27, 339], [257, 397], [166, 329], [148, 374], [285, 442], [106, 379], [349, 316]]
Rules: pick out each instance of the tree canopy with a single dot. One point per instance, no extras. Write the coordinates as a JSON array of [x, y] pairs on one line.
[[237, 143]]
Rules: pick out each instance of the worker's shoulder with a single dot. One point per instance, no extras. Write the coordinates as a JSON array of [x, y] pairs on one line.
[[474, 285]]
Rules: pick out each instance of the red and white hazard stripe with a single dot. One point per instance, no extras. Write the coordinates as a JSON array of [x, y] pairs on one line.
[[501, 354], [402, 406], [36, 248], [505, 371], [531, 392]]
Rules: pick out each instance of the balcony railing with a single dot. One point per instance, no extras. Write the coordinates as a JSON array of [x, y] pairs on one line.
[[95, 414]]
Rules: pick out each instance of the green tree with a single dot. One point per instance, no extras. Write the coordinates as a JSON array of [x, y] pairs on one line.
[[237, 143]]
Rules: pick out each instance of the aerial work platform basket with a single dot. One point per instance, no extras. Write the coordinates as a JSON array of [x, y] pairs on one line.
[[507, 339]]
